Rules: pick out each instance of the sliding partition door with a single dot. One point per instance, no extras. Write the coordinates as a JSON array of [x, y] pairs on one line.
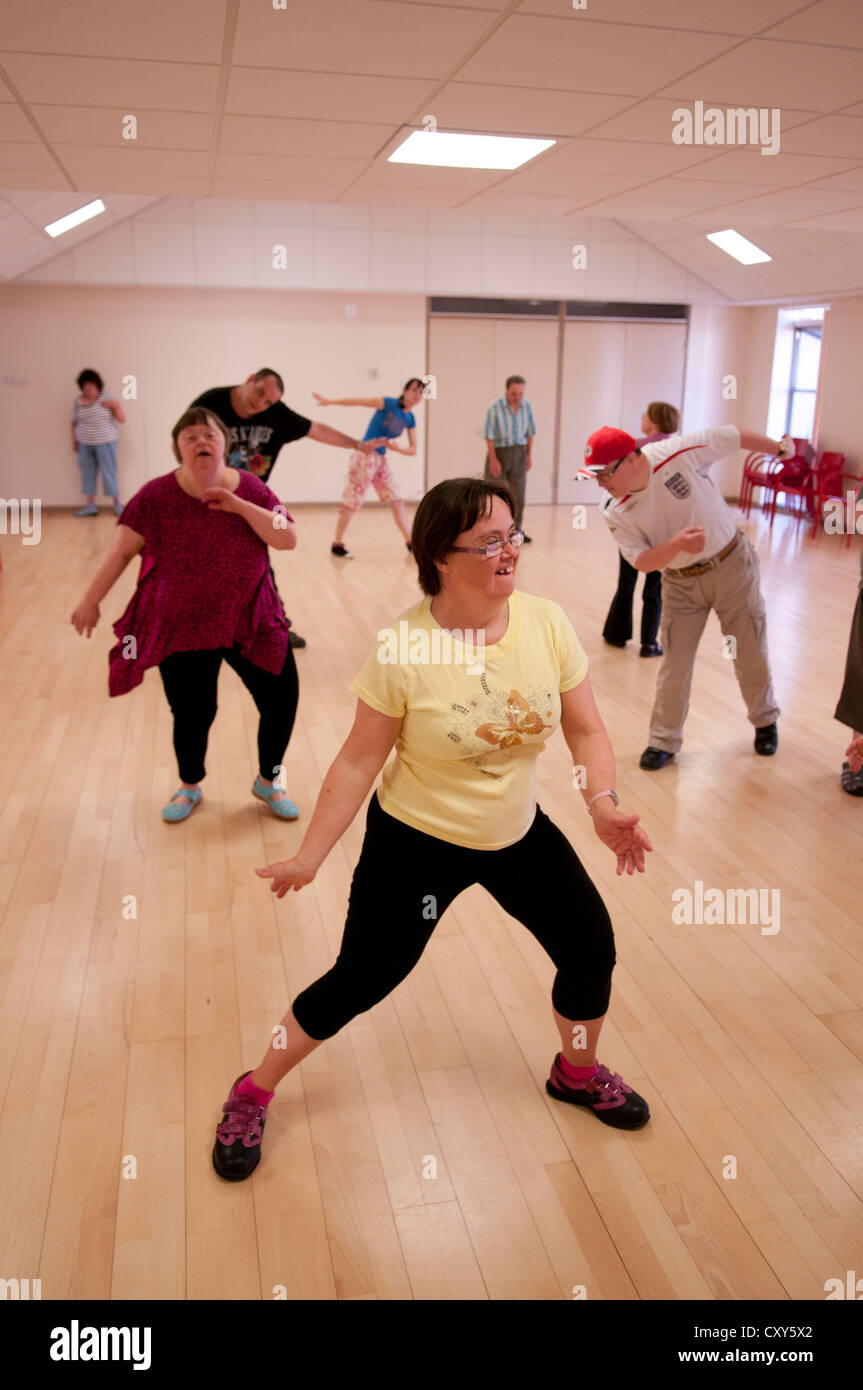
[[470, 359], [611, 372]]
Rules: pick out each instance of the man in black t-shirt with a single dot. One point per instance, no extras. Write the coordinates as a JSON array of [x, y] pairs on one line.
[[260, 423]]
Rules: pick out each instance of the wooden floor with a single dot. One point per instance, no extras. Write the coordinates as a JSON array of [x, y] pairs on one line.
[[416, 1155]]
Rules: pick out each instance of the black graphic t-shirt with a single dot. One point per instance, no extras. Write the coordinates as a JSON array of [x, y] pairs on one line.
[[255, 442]]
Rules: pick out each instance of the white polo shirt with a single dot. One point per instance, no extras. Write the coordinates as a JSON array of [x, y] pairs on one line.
[[679, 493]]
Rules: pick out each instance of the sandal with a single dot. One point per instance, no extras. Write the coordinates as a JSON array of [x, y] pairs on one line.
[[852, 782], [175, 810], [285, 810]]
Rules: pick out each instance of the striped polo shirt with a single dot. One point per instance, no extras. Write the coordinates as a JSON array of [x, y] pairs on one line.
[[507, 427], [93, 423]]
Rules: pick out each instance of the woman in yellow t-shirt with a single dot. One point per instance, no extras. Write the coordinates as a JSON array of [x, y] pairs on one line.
[[467, 686]]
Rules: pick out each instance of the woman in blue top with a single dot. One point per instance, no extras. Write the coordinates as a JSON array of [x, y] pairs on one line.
[[392, 416]]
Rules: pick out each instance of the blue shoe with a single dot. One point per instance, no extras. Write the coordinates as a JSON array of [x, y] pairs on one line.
[[285, 810], [90, 510], [175, 810]]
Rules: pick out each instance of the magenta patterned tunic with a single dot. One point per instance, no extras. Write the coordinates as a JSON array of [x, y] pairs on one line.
[[204, 583]]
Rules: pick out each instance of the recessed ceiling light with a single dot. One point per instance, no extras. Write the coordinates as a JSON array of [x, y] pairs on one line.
[[733, 244], [454, 151], [74, 219]]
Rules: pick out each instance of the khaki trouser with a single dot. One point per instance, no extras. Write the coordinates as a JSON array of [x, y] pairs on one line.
[[733, 591]]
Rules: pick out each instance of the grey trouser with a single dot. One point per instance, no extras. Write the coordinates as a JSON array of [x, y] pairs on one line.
[[513, 463], [733, 591]]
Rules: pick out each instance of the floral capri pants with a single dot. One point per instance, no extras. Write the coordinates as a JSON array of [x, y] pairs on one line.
[[368, 469]]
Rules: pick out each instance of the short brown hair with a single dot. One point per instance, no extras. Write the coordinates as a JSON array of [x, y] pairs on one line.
[[197, 415], [515, 381], [448, 509], [664, 416], [269, 371]]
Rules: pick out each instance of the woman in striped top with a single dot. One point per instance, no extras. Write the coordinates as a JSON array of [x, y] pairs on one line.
[[95, 417]]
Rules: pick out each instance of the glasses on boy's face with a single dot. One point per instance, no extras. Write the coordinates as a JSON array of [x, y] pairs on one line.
[[608, 473], [514, 539]]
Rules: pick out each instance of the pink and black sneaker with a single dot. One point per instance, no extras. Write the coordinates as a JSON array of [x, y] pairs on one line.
[[606, 1094], [237, 1150]]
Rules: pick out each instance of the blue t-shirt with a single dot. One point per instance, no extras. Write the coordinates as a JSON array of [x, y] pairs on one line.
[[389, 422]]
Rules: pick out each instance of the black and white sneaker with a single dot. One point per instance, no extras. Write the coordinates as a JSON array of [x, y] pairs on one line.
[[341, 552]]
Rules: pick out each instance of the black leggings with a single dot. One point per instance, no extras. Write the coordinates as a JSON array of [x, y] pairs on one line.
[[405, 881], [618, 624], [191, 680]]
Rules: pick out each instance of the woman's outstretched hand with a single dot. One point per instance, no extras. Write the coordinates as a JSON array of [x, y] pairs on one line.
[[287, 875], [85, 618], [622, 835], [321, 400]]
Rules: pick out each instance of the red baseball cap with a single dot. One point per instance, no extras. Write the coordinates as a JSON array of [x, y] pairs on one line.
[[605, 446]]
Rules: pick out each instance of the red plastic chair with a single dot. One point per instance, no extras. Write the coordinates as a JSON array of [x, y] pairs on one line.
[[832, 484], [756, 473], [794, 479]]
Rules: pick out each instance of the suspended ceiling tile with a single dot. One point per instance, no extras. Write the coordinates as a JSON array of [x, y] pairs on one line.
[[519, 109], [324, 96], [268, 135], [731, 17], [831, 21], [762, 73], [117, 29], [93, 125], [137, 87], [358, 36], [652, 121], [570, 56]]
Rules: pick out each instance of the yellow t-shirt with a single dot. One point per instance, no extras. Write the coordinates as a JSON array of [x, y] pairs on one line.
[[474, 719]]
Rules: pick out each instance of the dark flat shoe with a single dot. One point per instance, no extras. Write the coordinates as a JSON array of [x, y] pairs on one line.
[[651, 649], [767, 740], [654, 758]]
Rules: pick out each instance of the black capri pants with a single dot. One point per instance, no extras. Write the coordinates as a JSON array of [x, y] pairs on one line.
[[191, 682], [539, 880]]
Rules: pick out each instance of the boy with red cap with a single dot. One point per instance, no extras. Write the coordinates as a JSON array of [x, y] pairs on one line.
[[665, 512]]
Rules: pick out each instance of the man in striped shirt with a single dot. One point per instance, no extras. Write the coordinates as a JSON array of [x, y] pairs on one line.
[[509, 432]]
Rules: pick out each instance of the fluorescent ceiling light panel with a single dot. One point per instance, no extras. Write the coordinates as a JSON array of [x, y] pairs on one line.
[[733, 244], [453, 151], [74, 219]]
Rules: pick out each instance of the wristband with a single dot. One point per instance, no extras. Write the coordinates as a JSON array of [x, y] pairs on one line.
[[608, 792]]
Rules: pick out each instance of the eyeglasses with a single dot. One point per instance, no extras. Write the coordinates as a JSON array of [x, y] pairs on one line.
[[610, 472], [514, 539]]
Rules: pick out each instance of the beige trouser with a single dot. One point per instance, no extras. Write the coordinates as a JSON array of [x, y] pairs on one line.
[[733, 590]]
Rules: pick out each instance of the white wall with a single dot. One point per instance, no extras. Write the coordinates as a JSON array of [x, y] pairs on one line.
[[230, 243], [722, 385], [839, 426], [177, 343]]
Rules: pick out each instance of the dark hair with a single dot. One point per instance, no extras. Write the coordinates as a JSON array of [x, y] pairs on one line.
[[411, 381], [268, 371], [515, 381], [450, 507], [89, 375], [664, 416], [197, 415]]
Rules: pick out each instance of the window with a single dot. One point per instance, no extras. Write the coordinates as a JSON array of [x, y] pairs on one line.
[[793, 407], [803, 384]]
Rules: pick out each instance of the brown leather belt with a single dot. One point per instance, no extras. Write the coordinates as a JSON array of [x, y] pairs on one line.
[[692, 570]]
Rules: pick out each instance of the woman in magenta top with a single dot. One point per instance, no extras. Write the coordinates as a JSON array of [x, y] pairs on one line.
[[204, 595]]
